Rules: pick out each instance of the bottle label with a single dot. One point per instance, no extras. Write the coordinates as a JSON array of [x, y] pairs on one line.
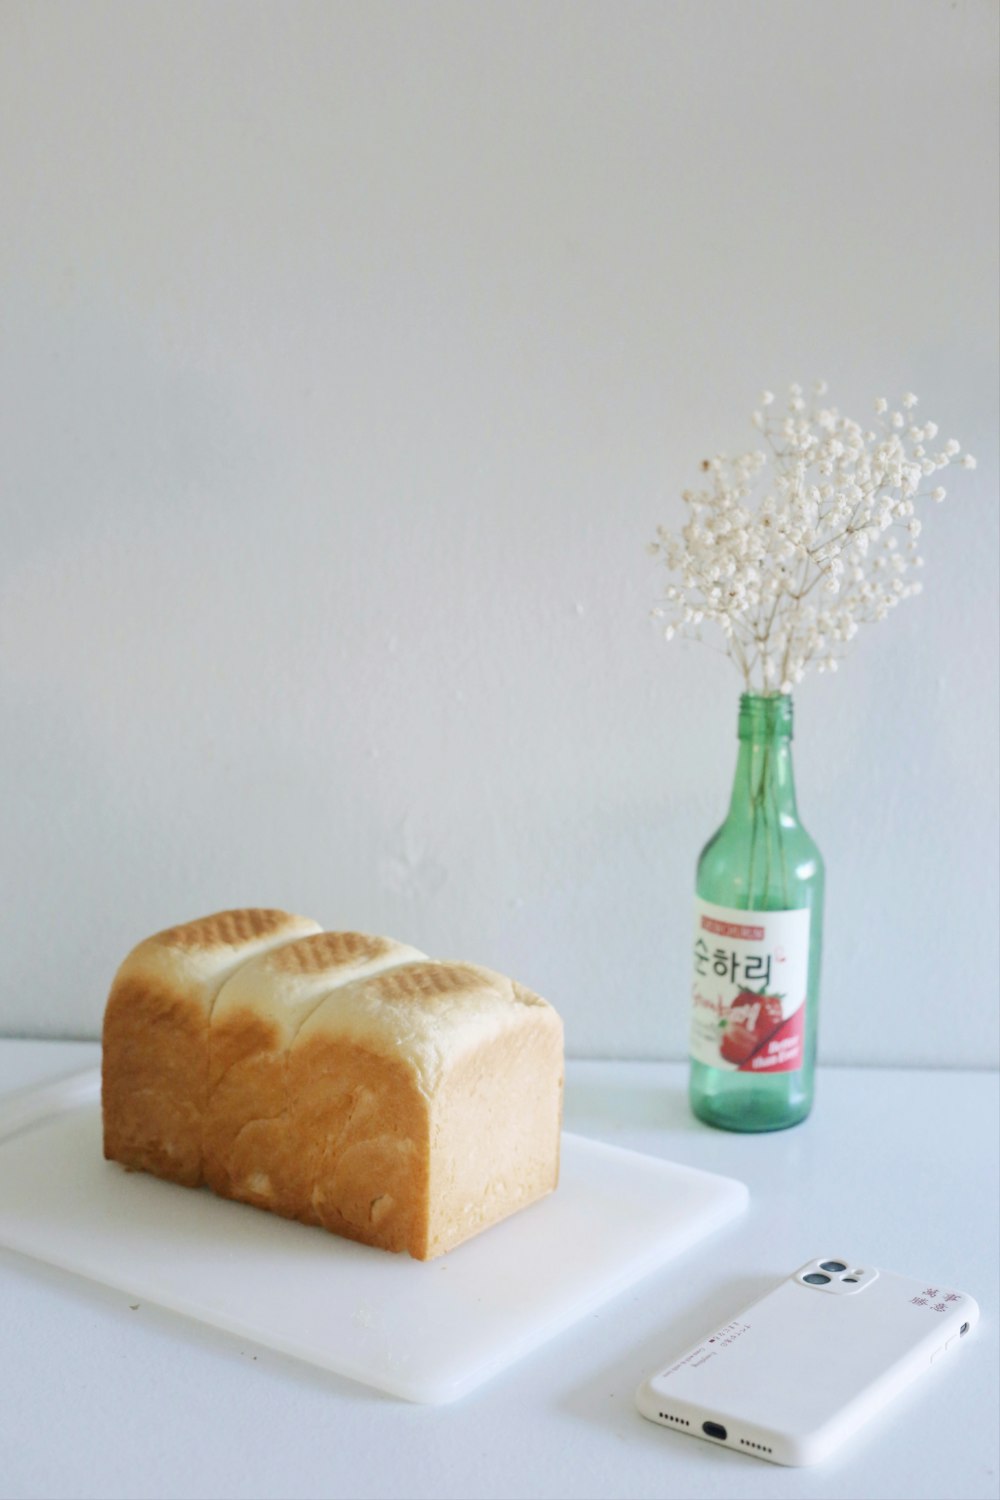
[[751, 974]]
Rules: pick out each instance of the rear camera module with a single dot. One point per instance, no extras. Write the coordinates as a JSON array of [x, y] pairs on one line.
[[833, 1265], [816, 1278]]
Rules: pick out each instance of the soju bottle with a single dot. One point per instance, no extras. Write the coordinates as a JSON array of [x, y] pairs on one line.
[[758, 929]]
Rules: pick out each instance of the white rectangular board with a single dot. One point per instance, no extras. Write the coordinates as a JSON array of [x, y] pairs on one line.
[[426, 1331]]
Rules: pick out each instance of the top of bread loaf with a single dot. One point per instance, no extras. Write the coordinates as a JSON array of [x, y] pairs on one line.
[[340, 951], [227, 929], [311, 985], [284, 984], [426, 1014], [206, 950]]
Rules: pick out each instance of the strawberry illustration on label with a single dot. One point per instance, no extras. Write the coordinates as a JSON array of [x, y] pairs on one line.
[[749, 988], [749, 1022]]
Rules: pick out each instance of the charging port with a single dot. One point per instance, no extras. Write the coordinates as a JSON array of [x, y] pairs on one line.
[[714, 1429]]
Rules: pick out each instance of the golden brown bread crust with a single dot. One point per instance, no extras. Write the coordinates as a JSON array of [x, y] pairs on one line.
[[152, 1059], [233, 929], [420, 983], [246, 1092], [339, 1079], [254, 1022], [330, 950], [155, 1041], [358, 1146]]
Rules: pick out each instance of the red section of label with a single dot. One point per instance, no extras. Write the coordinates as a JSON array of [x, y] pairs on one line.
[[750, 983], [733, 930], [748, 1023], [781, 1051]]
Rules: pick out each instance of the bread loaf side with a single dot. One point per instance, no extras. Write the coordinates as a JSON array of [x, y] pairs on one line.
[[155, 1039], [250, 1149]]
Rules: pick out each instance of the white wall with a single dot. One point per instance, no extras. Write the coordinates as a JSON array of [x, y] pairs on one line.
[[351, 354]]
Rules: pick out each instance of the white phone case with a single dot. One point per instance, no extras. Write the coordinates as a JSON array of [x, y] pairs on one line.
[[798, 1372]]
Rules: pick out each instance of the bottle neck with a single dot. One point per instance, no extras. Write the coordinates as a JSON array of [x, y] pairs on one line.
[[764, 784]]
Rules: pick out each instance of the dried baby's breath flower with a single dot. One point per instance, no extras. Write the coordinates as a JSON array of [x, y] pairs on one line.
[[789, 551]]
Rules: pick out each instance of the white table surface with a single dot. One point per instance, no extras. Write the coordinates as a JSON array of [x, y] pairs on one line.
[[102, 1399]]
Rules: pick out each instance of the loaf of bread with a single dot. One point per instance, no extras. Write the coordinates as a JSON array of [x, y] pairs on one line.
[[337, 1078]]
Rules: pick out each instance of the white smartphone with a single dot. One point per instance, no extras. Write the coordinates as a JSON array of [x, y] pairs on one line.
[[798, 1372]]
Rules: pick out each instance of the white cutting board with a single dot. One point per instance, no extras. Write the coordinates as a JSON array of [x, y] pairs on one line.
[[426, 1331]]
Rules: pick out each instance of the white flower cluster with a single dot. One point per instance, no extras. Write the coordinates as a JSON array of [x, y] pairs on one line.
[[830, 544]]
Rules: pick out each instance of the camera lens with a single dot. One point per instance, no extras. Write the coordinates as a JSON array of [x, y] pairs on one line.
[[853, 1279], [816, 1278], [833, 1265]]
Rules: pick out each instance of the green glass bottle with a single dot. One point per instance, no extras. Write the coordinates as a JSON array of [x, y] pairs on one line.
[[758, 934]]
